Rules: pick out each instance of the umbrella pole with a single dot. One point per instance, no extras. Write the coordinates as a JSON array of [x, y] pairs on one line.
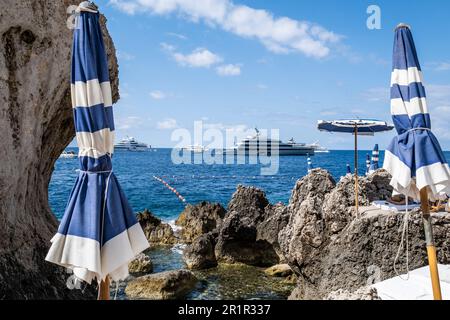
[[356, 172], [431, 249], [104, 289]]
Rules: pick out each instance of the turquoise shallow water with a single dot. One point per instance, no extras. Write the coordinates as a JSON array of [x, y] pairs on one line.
[[135, 171]]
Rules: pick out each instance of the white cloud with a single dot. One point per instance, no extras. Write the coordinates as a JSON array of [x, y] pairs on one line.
[[199, 58], [277, 34], [122, 55], [262, 86], [229, 70], [167, 124], [377, 94], [158, 95], [177, 35], [328, 113], [128, 122], [438, 66]]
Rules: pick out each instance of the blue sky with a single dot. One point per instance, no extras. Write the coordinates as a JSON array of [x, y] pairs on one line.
[[284, 66]]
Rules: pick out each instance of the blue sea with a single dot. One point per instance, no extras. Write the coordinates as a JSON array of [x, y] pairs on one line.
[[196, 182]]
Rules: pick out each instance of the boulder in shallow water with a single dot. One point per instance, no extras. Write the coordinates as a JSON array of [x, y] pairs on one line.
[[199, 219], [142, 264], [279, 270], [175, 284], [237, 240], [200, 254], [157, 232]]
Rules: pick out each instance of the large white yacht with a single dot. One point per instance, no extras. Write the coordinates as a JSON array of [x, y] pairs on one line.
[[260, 145], [130, 144]]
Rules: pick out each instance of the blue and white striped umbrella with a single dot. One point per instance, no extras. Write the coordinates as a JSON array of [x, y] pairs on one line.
[[414, 158], [367, 164], [309, 161], [374, 160], [99, 233]]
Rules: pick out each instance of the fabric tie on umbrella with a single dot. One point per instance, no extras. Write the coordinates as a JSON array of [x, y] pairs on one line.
[[99, 233], [349, 169], [374, 160], [414, 158]]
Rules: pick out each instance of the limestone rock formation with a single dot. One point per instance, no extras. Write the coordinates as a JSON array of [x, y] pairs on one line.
[[279, 270], [237, 240], [304, 235], [200, 254], [35, 126], [329, 249], [364, 293], [162, 286], [199, 219], [141, 265], [157, 232]]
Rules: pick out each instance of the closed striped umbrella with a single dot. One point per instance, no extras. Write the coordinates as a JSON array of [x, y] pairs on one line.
[[414, 158], [309, 161], [349, 169], [98, 234], [367, 164], [374, 160]]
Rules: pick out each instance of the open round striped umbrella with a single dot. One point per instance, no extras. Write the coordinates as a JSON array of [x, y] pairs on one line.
[[98, 234], [414, 158], [374, 160], [365, 127]]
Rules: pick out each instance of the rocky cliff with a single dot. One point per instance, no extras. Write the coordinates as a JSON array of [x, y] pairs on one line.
[[330, 249], [35, 126]]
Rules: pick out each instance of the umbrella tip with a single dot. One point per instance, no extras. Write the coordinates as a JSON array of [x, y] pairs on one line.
[[402, 25], [88, 6]]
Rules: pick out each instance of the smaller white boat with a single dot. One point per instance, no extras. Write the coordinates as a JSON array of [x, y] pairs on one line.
[[195, 148], [318, 148], [68, 154]]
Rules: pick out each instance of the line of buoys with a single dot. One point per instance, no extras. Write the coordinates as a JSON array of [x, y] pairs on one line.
[[180, 197]]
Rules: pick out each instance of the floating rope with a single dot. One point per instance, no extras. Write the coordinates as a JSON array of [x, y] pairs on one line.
[[179, 196]]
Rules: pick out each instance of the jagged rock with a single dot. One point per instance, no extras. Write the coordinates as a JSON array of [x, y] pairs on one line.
[[157, 232], [142, 264], [279, 270], [339, 203], [162, 286], [365, 293], [237, 240], [304, 234], [36, 124], [329, 252], [200, 219], [277, 217], [200, 254]]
